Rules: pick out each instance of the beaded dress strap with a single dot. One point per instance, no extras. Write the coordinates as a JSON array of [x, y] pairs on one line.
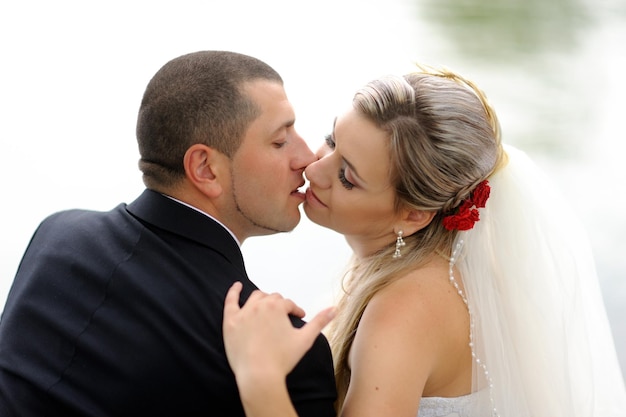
[[483, 366]]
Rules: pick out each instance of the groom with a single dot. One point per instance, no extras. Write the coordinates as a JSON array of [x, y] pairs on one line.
[[119, 313]]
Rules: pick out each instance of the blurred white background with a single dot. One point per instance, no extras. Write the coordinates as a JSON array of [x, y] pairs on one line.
[[73, 74]]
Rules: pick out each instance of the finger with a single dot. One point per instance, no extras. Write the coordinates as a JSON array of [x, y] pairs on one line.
[[286, 304], [231, 302], [256, 295], [294, 309], [317, 324]]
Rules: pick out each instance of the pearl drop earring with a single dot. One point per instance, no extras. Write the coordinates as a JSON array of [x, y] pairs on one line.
[[399, 244]]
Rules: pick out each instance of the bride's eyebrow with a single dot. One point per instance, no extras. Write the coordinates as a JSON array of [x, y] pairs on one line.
[[348, 163]]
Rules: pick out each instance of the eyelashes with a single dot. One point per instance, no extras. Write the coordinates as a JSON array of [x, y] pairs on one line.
[[344, 181], [329, 141], [342, 171]]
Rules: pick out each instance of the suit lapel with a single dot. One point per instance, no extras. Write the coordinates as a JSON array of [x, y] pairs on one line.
[[167, 214]]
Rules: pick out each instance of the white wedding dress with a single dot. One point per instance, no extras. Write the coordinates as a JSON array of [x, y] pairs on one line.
[[464, 406], [539, 330]]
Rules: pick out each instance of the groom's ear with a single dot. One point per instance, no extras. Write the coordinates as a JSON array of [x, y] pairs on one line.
[[207, 169]]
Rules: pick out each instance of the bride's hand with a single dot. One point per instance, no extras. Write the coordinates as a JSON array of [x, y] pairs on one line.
[[261, 342]]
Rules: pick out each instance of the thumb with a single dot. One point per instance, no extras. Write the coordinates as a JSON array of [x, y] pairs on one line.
[[315, 326], [231, 302]]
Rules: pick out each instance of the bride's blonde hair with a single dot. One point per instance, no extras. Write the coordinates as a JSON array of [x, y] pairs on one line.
[[444, 139]]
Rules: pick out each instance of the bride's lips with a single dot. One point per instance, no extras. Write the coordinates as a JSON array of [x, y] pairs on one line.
[[312, 199]]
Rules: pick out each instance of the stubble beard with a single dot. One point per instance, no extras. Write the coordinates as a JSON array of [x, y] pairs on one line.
[[270, 230]]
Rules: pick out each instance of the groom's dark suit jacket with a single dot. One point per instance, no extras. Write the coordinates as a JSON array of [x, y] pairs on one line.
[[120, 314]]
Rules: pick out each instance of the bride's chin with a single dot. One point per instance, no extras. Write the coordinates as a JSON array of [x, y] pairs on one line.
[[312, 216]]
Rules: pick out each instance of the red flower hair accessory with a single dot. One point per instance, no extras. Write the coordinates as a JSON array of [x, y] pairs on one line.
[[467, 213]]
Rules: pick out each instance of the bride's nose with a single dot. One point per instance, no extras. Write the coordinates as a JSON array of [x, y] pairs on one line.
[[318, 172], [322, 151]]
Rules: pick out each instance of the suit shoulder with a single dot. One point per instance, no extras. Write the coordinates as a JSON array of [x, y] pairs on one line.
[[82, 222]]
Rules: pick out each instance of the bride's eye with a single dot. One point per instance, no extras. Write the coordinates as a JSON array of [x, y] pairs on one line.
[[344, 181]]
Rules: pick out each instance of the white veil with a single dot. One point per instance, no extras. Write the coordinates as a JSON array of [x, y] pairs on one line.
[[539, 325]]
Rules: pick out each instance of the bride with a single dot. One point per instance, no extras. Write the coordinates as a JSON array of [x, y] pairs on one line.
[[471, 291]]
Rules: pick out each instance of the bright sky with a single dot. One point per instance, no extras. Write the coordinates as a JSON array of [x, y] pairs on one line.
[[73, 73]]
